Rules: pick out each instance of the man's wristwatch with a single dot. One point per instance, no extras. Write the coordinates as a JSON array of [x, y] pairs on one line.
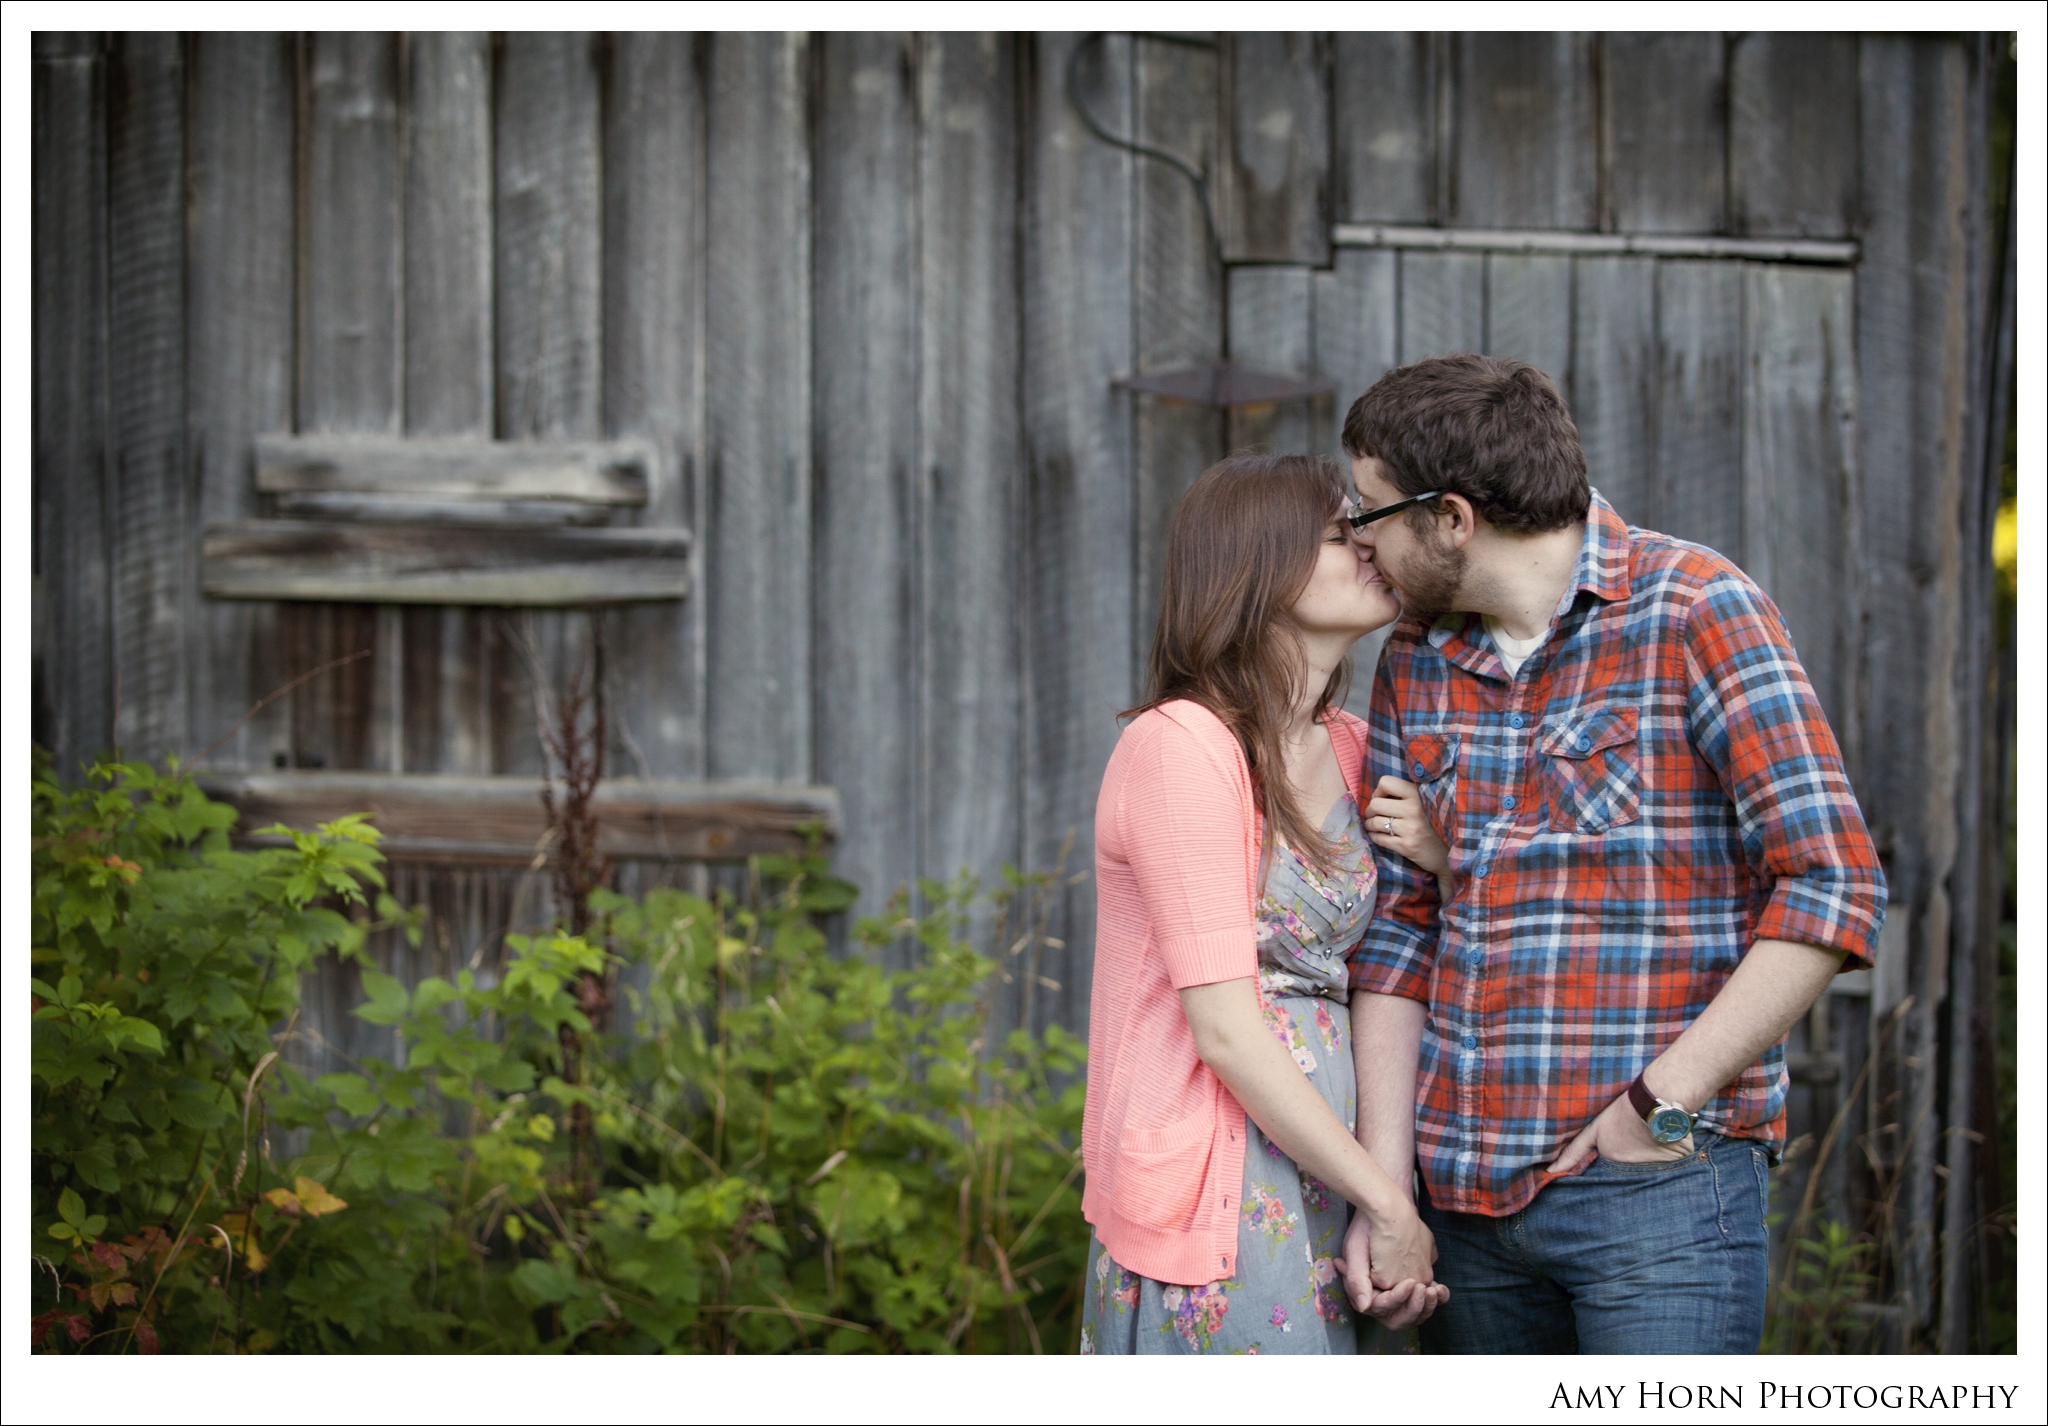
[[1669, 1122]]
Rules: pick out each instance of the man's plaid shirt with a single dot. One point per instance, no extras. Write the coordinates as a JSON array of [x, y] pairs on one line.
[[1656, 790]]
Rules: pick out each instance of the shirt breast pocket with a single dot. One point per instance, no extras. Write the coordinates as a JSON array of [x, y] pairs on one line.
[[1592, 771], [1433, 765]]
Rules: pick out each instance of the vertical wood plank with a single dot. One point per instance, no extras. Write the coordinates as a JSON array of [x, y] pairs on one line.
[[970, 457], [239, 253], [1799, 406], [350, 369], [548, 157], [330, 715], [155, 592], [1524, 138], [1080, 232], [1913, 327], [1272, 314], [1614, 377], [864, 532], [1357, 329], [1792, 117], [448, 364], [548, 161], [1178, 301], [1383, 128], [756, 574], [448, 247], [74, 665], [1698, 480], [1443, 304], [1663, 133], [1274, 132], [1529, 313], [654, 374]]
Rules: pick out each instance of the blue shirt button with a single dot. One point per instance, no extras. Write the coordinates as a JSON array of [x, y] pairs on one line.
[[1418, 769], [1508, 802], [1584, 744], [1516, 720], [1481, 870], [1471, 1042]]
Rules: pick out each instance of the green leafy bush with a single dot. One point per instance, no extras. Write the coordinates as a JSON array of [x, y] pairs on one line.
[[785, 1149]]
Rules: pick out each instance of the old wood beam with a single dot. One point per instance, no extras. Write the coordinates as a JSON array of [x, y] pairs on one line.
[[452, 818], [1667, 245], [442, 564], [391, 478]]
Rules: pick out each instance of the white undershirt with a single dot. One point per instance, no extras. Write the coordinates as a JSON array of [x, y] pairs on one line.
[[1513, 652]]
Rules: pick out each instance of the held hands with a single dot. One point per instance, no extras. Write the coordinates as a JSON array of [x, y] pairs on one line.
[[1396, 1259], [1394, 819], [1619, 1133]]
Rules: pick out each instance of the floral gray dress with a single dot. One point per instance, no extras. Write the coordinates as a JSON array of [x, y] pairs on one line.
[[1286, 1295]]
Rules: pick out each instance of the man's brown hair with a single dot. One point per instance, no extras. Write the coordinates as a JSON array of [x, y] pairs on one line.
[[1492, 430]]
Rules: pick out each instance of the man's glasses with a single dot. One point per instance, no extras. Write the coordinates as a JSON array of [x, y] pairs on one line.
[[1361, 518]]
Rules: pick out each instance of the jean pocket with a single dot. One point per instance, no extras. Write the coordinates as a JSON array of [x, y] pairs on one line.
[[1592, 771], [1649, 1167]]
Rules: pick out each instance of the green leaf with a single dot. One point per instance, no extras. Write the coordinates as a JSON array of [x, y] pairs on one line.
[[541, 1282], [388, 1000], [352, 1093], [431, 994], [70, 1207]]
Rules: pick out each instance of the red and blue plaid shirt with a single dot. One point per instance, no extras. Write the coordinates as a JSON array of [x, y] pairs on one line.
[[1653, 792]]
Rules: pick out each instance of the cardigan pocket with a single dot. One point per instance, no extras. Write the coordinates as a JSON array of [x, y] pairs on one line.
[[1160, 1172]]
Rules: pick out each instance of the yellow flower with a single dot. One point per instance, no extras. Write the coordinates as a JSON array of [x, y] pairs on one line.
[[2005, 540]]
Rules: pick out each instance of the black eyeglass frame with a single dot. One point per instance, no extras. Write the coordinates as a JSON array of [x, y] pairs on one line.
[[1360, 519]]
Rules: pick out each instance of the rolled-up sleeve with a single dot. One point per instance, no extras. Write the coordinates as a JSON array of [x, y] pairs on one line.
[[1184, 824], [1755, 719], [1399, 948]]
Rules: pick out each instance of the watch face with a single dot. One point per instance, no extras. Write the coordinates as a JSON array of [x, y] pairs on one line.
[[1668, 1126]]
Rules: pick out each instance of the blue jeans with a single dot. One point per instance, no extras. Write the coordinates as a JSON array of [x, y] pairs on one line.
[[1669, 1257]]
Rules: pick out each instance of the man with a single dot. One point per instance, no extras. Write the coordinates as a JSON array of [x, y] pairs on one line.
[[1656, 864]]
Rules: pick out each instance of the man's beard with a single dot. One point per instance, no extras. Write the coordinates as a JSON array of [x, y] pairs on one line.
[[1430, 589]]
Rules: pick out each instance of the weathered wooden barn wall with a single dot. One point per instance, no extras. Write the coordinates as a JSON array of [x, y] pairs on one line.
[[864, 297]]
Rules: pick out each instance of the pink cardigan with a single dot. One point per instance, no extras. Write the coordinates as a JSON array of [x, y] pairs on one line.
[[1176, 857]]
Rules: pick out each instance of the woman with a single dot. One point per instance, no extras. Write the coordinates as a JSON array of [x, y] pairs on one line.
[[1233, 875]]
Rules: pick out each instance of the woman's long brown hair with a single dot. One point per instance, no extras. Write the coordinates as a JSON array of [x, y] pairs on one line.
[[1240, 551]]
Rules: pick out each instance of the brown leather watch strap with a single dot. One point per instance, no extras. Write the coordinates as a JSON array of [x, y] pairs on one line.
[[1641, 1100]]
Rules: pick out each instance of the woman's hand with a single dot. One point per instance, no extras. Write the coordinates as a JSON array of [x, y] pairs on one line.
[[1406, 1304], [1399, 1247], [1394, 819]]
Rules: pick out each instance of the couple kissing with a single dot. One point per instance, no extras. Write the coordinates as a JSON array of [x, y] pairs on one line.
[[1465, 1018]]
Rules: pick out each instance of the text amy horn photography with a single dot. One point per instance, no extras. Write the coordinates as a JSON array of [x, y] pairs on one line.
[[1783, 1395]]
